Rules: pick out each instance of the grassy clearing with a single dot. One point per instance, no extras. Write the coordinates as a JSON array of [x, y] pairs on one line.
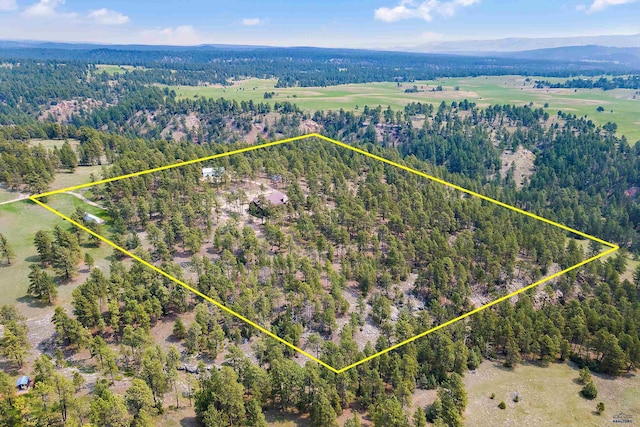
[[6, 195], [19, 222], [482, 90], [112, 69], [64, 178], [80, 176], [51, 143], [549, 396]]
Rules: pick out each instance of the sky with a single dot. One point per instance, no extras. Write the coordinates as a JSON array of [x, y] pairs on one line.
[[323, 23]]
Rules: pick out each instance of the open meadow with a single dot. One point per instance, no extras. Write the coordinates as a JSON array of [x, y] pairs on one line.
[[548, 396], [113, 69], [19, 222], [621, 106]]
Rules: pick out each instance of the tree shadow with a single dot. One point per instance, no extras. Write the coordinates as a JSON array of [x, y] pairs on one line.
[[32, 258], [189, 422], [32, 302], [629, 374], [296, 420], [8, 367]]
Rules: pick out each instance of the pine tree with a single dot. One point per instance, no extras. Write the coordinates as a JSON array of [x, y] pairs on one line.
[[589, 391], [179, 330], [255, 417], [78, 381], [42, 242], [88, 260], [585, 375], [41, 285], [139, 398], [68, 157], [6, 251], [14, 343], [322, 413], [419, 418], [353, 422], [512, 357]]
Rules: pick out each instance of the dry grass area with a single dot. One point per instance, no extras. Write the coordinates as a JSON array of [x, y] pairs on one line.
[[549, 396], [522, 161], [63, 110]]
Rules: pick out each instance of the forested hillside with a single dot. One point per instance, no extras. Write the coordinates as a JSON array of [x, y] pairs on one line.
[[360, 256]]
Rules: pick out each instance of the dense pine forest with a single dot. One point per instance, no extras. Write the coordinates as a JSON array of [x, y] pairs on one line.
[[361, 256]]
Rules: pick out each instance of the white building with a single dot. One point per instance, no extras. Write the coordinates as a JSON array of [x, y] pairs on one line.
[[92, 218]]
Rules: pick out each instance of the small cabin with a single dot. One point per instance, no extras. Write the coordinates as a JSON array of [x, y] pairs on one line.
[[274, 198], [213, 173], [23, 383], [92, 218], [260, 205]]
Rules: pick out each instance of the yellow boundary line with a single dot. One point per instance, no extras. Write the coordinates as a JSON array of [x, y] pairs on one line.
[[612, 246]]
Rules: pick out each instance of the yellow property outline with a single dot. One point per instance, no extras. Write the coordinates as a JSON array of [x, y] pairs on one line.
[[612, 247]]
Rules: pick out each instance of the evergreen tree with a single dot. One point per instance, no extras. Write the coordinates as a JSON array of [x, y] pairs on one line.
[[6, 251], [322, 414]]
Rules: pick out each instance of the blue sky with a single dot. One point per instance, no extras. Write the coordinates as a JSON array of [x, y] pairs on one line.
[[355, 23]]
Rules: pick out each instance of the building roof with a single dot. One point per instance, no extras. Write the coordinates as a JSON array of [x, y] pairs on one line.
[[89, 217], [214, 171], [22, 381], [276, 198]]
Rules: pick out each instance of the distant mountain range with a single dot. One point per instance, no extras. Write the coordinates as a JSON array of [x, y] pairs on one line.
[[602, 54], [37, 44], [614, 51], [475, 47]]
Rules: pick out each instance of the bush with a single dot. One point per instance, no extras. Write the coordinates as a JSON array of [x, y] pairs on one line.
[[585, 375], [493, 396], [590, 391], [502, 405], [516, 398], [600, 408]]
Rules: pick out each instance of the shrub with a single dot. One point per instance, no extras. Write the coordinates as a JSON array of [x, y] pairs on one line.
[[502, 405], [600, 408], [585, 375], [516, 398], [590, 391], [493, 396]]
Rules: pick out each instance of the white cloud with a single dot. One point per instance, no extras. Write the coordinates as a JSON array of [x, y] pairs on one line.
[[8, 5], [108, 17], [184, 35], [599, 5], [44, 8], [251, 21], [408, 9]]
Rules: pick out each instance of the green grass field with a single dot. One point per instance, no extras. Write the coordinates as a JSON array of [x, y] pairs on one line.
[[19, 222], [51, 143], [549, 396], [112, 69], [80, 176], [63, 178], [482, 90]]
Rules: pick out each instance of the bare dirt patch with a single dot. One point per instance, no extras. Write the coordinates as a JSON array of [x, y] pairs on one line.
[[63, 110], [523, 162], [309, 126]]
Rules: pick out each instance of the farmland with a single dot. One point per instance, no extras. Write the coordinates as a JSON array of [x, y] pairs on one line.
[[621, 106]]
